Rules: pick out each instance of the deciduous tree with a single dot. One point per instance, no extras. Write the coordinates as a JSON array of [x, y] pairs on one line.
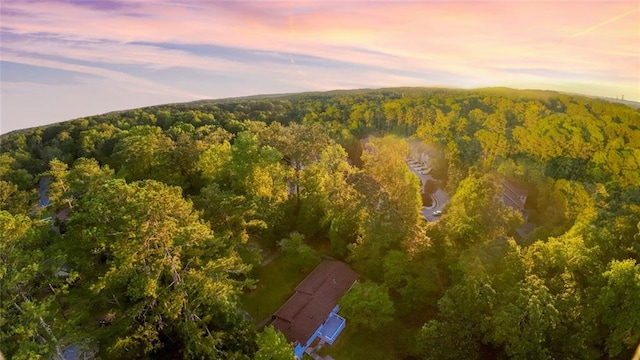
[[368, 305], [272, 345]]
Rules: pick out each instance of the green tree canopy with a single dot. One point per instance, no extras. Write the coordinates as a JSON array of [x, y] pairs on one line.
[[368, 306], [157, 270], [272, 345]]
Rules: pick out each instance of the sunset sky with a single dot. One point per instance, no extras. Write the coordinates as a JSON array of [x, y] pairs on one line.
[[68, 59]]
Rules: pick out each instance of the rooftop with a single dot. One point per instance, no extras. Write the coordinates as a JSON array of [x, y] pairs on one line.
[[313, 300], [513, 196]]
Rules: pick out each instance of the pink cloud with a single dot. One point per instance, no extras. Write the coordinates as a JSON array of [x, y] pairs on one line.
[[471, 39]]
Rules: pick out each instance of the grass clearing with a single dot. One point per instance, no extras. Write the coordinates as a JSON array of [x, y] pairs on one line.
[[276, 283], [365, 344]]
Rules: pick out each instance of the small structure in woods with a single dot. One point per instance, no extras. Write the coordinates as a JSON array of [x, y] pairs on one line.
[[513, 196]]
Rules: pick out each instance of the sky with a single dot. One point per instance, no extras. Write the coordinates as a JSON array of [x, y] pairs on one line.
[[61, 60]]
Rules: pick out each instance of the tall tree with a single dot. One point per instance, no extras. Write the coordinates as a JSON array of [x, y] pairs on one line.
[[620, 301], [164, 281], [457, 333], [32, 325], [391, 201], [475, 214], [525, 320], [302, 255], [329, 200], [368, 305], [144, 152], [272, 345], [251, 173]]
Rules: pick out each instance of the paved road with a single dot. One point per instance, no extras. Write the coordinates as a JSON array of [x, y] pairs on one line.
[[440, 197], [440, 200], [423, 178]]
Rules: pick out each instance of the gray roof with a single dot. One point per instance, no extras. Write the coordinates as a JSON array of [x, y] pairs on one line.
[[513, 196]]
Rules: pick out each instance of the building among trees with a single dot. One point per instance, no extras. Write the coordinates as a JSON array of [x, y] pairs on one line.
[[312, 311], [513, 196]]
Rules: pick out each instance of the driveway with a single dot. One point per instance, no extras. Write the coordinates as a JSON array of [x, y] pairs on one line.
[[423, 178], [440, 197], [440, 200]]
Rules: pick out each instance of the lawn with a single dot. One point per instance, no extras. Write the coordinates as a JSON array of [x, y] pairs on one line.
[[360, 344], [276, 283]]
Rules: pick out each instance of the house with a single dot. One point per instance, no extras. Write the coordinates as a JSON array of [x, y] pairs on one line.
[[312, 311], [513, 196]]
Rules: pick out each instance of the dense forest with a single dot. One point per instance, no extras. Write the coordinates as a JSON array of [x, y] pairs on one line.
[[155, 222]]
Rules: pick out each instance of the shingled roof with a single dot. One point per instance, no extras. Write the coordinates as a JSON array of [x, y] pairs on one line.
[[513, 196], [313, 300]]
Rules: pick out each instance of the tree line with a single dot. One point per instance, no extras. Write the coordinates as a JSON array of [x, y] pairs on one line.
[[160, 214]]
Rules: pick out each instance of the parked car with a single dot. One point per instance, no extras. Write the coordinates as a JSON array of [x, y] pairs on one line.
[[437, 213]]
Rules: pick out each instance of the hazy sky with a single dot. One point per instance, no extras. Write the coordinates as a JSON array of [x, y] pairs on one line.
[[68, 59]]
